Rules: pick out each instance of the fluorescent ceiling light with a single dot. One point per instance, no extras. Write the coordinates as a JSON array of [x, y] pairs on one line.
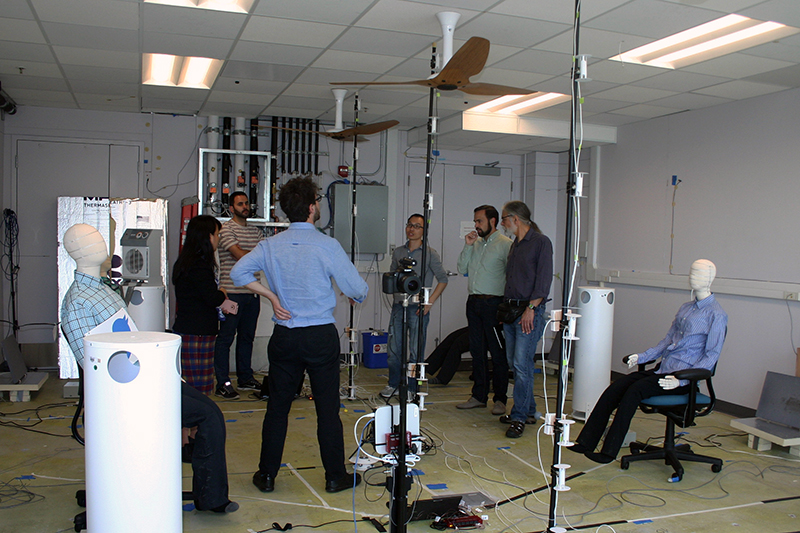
[[719, 37], [177, 71], [515, 103], [234, 6]]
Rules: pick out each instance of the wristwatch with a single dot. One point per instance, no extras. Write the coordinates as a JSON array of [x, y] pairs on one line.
[[531, 306]]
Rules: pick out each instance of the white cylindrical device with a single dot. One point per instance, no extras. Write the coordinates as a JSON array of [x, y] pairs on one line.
[[448, 20], [147, 307], [593, 350], [240, 139], [133, 432]]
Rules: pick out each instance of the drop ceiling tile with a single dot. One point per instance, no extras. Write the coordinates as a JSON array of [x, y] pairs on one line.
[[91, 100], [26, 31], [186, 21], [737, 66], [195, 96], [370, 112], [249, 86], [600, 44], [594, 106], [786, 77], [740, 89], [390, 96], [541, 62], [690, 101], [83, 72], [26, 52], [618, 72], [105, 87], [45, 101], [390, 43], [335, 11], [130, 105], [315, 91], [99, 58], [411, 69], [277, 111], [296, 32], [513, 78], [476, 5], [316, 104], [259, 99], [104, 13], [645, 111], [679, 81], [587, 89], [786, 49], [651, 18], [168, 105], [17, 9], [322, 76], [497, 52], [13, 83], [629, 93], [186, 45], [610, 119], [726, 6], [91, 37], [783, 11], [274, 53], [44, 70], [337, 59], [399, 15], [560, 12], [36, 95], [260, 71], [513, 31]]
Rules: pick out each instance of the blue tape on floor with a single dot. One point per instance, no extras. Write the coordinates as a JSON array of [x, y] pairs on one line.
[[300, 418], [245, 412], [417, 472], [231, 420], [646, 521], [188, 507], [504, 448], [25, 477], [437, 486], [359, 410]]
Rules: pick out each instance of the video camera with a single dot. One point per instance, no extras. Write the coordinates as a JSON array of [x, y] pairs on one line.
[[402, 280]]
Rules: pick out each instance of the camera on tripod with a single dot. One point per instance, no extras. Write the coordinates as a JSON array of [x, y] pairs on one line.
[[403, 279]]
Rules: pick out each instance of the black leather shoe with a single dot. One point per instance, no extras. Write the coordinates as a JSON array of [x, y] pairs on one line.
[[515, 430], [263, 482], [343, 483]]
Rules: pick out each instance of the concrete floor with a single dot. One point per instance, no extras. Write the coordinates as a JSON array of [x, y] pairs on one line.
[[40, 473]]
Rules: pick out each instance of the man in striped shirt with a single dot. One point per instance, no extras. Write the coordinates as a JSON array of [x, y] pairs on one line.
[[694, 341], [236, 239]]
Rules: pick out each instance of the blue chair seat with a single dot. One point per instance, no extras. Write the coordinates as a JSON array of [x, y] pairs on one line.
[[675, 400]]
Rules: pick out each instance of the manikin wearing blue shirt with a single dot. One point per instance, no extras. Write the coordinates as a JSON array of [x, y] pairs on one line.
[[694, 341], [299, 264]]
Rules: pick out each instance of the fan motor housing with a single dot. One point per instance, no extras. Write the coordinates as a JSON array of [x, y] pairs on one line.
[[141, 255]]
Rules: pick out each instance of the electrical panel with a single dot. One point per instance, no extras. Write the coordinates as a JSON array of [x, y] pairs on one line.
[[372, 202]]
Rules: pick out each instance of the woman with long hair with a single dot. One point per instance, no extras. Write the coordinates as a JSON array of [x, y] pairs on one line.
[[197, 298]]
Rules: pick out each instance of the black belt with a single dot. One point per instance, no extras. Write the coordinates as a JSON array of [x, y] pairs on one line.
[[518, 302], [483, 296]]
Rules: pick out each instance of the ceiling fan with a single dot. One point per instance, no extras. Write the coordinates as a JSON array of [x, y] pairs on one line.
[[339, 132], [458, 69]]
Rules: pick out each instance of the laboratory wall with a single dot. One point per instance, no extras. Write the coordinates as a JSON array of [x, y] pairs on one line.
[[734, 201]]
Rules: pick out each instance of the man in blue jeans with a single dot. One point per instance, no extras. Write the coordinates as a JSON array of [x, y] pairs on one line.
[[433, 268], [236, 239], [529, 273]]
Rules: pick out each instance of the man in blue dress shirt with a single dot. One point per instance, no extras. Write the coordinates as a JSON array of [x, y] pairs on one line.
[[299, 264], [694, 341]]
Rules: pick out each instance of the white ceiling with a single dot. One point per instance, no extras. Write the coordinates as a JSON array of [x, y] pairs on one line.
[[279, 58]]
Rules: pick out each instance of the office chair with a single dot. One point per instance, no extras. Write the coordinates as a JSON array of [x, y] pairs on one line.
[[680, 410]]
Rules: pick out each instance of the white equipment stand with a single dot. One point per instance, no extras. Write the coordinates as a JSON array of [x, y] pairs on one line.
[[133, 432], [593, 351]]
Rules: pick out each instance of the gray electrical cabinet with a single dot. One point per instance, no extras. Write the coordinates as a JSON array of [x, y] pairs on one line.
[[371, 225]]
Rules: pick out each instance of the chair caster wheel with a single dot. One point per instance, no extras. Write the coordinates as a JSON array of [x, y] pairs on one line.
[[80, 497], [623, 464], [716, 468]]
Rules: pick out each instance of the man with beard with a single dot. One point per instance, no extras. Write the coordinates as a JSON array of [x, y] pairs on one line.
[[529, 274], [236, 239], [300, 265], [483, 260]]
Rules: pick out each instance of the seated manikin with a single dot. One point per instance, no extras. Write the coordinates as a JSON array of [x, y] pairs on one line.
[[88, 303], [694, 341]]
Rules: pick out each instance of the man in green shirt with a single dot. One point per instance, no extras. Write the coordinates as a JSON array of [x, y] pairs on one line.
[[483, 260]]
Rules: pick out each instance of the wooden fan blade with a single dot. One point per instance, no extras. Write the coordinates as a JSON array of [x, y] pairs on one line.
[[369, 129], [469, 60], [490, 89]]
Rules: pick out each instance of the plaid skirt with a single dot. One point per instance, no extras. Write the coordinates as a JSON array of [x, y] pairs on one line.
[[197, 361]]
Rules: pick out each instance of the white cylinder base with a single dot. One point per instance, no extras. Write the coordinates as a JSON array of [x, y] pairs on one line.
[[593, 351], [133, 432], [146, 307]]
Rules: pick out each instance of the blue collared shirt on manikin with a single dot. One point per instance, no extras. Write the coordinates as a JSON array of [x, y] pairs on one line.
[[299, 264], [694, 340]]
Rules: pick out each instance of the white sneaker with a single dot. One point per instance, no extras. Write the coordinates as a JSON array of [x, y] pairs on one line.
[[388, 392]]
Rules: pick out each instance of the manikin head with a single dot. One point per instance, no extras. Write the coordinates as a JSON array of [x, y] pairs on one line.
[[701, 275], [87, 247]]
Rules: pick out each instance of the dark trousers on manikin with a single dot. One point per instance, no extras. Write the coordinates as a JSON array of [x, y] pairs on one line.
[[209, 469], [482, 318], [292, 351], [624, 395]]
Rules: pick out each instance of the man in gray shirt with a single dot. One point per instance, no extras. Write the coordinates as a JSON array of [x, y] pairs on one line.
[[412, 249]]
